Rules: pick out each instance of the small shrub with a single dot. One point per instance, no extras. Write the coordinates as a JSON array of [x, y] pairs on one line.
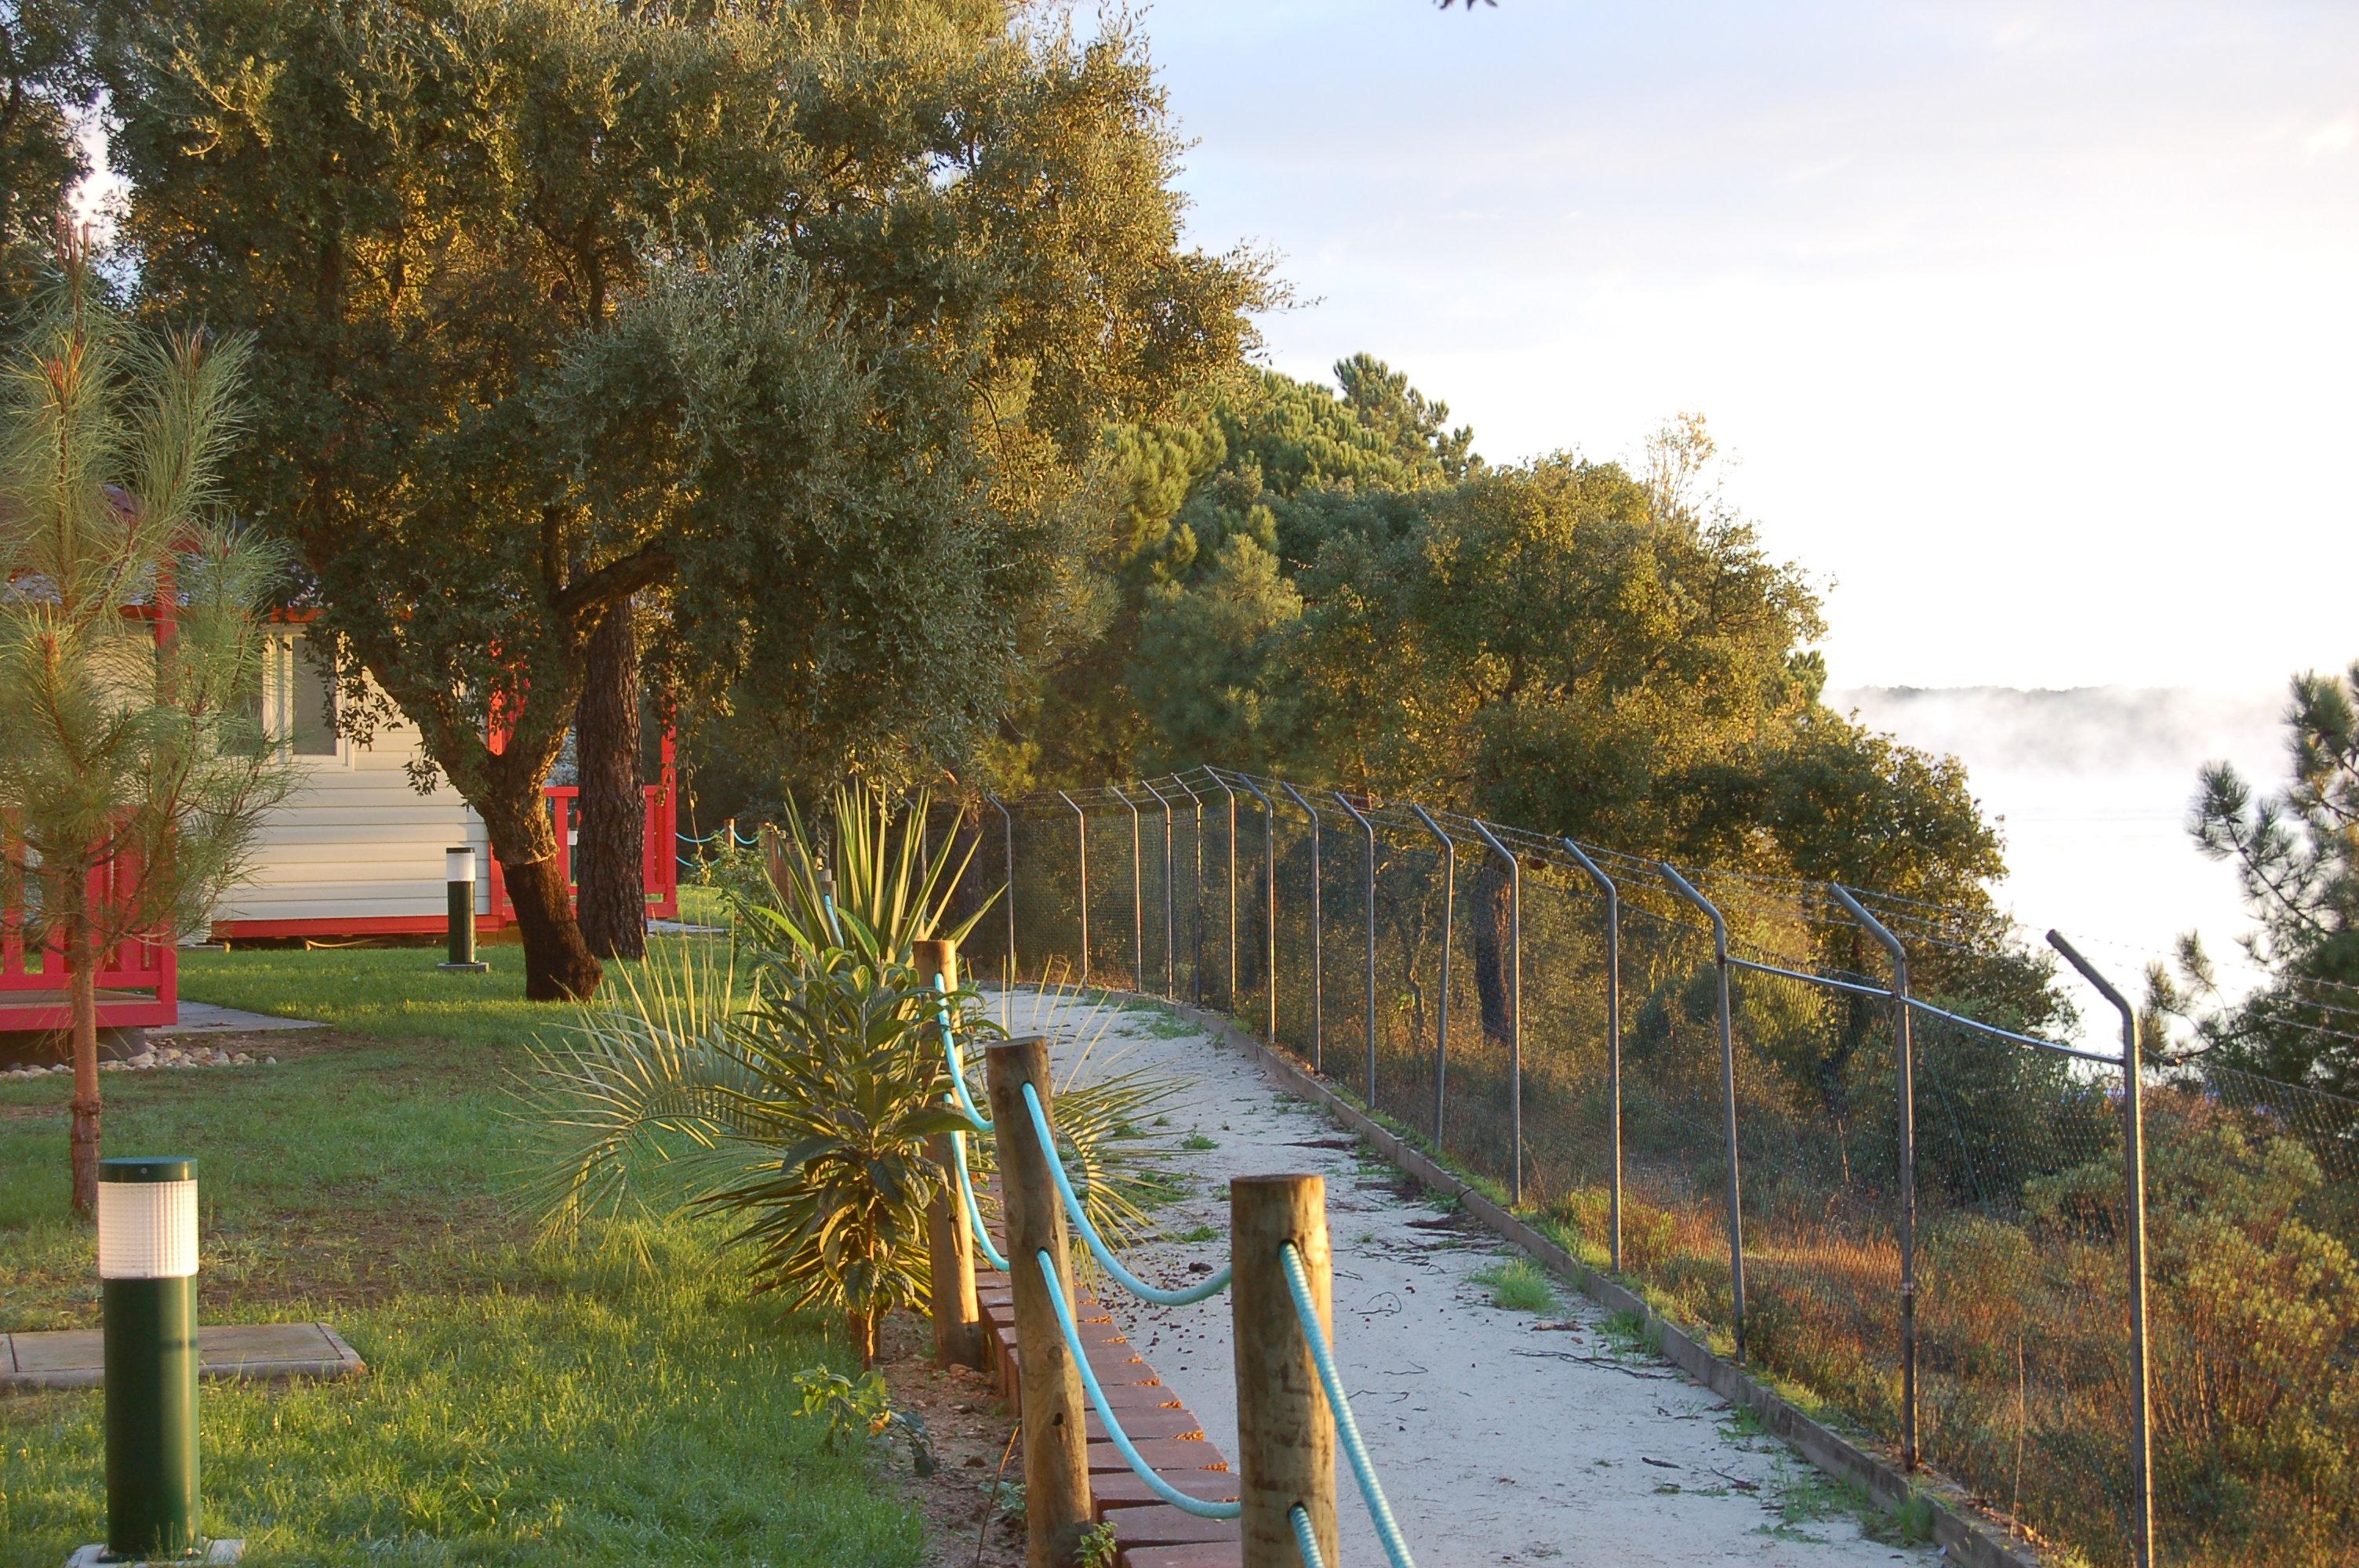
[[1196, 1142], [1099, 1548], [860, 1415]]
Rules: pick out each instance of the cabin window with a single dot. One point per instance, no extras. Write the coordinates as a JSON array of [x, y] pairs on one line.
[[311, 701]]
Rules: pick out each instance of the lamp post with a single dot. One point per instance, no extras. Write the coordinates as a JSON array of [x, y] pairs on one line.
[[459, 877], [148, 1291]]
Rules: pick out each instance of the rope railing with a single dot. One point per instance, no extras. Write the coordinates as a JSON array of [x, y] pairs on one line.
[[1095, 1242], [1038, 1193], [1347, 1429], [1162, 1488]]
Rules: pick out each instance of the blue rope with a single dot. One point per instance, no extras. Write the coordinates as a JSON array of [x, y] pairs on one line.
[[692, 838], [1305, 1541], [973, 1211], [1146, 1472], [1323, 1357], [958, 1063], [741, 838], [1128, 1280]]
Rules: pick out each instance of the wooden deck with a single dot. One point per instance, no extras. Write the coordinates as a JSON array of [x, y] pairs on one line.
[[1149, 1533]]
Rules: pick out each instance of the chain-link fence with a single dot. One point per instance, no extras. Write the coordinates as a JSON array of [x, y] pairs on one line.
[[1698, 1081]]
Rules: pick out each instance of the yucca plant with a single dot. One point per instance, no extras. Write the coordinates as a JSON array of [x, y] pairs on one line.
[[792, 1077], [797, 1101], [882, 875]]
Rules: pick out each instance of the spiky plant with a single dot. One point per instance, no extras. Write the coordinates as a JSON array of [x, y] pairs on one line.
[[879, 867], [790, 1079]]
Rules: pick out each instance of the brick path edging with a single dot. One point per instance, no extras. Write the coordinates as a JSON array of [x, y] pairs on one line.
[[1148, 1532]]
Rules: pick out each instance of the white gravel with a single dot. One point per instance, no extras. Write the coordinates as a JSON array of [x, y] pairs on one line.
[[1502, 1437]]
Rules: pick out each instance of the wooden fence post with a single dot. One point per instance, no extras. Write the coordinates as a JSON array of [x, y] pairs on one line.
[[1049, 1380], [958, 1315], [1286, 1432]]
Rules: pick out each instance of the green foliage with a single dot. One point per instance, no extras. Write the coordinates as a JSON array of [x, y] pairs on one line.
[[792, 325], [131, 648], [1100, 1548], [808, 1095], [115, 740], [873, 867], [790, 1080], [1518, 1285], [47, 83], [2296, 855], [859, 1414]]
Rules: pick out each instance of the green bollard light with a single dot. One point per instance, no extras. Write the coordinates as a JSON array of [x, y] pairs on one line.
[[459, 878], [147, 1290]]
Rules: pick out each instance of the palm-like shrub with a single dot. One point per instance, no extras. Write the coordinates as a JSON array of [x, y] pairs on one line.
[[882, 876], [791, 1077], [850, 1082]]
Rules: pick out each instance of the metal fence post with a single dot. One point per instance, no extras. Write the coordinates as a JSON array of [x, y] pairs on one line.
[[1728, 1097], [1449, 918], [1369, 828], [1270, 904], [1317, 956], [1137, 900], [1196, 984], [1007, 825], [1514, 1010], [1231, 795], [1171, 951], [2134, 1175], [1612, 1047], [1083, 904], [1904, 1048]]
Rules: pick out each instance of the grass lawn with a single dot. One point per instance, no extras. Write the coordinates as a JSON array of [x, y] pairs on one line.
[[624, 1404]]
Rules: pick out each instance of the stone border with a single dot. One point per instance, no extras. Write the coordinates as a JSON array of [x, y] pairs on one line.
[[1965, 1538]]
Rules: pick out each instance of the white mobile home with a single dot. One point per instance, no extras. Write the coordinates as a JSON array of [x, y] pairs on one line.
[[357, 849]]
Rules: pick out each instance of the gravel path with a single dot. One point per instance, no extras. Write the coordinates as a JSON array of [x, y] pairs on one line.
[[1503, 1437]]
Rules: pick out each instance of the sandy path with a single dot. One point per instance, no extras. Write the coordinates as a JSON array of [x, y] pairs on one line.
[[1502, 1437]]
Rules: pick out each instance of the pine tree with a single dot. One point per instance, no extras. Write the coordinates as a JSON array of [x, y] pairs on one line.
[[131, 643]]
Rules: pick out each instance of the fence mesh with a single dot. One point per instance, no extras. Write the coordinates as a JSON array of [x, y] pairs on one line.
[[1472, 1005]]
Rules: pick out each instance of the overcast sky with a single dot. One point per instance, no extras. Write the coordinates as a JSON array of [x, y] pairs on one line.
[[2031, 327]]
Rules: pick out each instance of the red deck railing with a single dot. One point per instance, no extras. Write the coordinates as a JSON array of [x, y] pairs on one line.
[[139, 980]]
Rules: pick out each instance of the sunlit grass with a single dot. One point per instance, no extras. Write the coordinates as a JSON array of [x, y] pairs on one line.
[[621, 1404]]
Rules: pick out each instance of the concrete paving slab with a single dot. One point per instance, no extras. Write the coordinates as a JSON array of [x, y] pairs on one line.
[[204, 1018], [76, 1357]]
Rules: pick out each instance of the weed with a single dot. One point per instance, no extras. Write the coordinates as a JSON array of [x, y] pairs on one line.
[[1624, 1329], [1196, 1142], [1099, 1549], [859, 1414], [1198, 1233], [1519, 1284], [1909, 1522]]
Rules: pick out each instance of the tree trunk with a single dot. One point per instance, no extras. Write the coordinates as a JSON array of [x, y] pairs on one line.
[[1493, 952], [609, 859], [82, 990], [557, 965]]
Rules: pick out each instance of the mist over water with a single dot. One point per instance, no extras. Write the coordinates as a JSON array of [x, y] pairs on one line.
[[2092, 786]]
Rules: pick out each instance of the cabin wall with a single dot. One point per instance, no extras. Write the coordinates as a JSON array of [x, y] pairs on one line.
[[355, 847]]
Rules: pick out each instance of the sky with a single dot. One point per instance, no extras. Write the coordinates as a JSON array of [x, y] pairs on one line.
[[2028, 331]]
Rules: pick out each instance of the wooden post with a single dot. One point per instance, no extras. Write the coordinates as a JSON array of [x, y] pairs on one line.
[[1286, 1432], [958, 1315], [1048, 1385]]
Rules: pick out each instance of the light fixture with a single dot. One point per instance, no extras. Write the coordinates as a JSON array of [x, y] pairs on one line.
[[458, 873]]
